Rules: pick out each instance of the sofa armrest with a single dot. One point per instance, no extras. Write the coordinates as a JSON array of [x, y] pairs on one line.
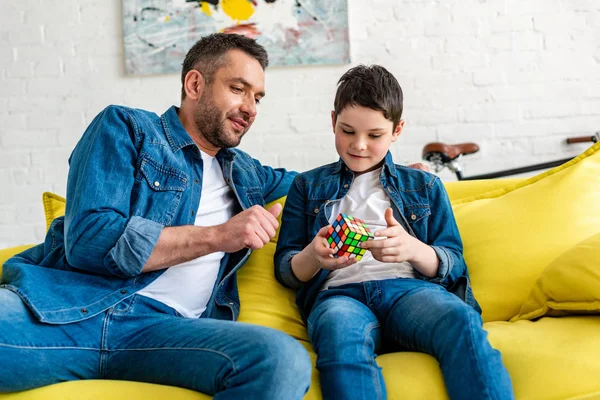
[[5, 254]]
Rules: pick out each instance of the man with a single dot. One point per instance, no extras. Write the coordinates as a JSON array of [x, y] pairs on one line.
[[98, 300]]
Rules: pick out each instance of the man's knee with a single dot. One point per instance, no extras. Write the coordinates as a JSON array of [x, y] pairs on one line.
[[286, 358]]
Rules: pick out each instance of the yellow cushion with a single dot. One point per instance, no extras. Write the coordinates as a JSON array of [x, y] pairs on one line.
[[106, 389], [460, 189], [5, 254], [552, 358], [263, 300], [54, 206], [569, 285], [511, 234]]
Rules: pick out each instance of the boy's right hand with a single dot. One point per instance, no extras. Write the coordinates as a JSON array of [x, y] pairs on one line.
[[316, 256], [323, 254]]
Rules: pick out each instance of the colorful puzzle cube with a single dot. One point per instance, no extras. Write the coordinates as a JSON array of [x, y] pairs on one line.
[[346, 233]]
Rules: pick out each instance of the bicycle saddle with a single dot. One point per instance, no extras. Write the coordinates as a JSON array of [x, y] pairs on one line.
[[448, 152]]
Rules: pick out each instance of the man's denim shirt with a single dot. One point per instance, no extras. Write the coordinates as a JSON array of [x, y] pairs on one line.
[[132, 174], [420, 204]]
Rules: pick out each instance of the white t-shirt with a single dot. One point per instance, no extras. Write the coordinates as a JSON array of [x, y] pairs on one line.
[[187, 287], [366, 200]]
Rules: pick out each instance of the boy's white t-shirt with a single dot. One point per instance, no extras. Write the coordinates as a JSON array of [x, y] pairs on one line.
[[187, 287], [366, 200]]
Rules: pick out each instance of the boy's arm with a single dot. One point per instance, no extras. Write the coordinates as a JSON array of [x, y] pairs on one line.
[[292, 235], [444, 238]]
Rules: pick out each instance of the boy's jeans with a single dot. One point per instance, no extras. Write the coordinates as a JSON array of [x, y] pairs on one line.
[[349, 324], [141, 339]]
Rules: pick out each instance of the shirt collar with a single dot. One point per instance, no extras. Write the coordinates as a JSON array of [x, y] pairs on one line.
[[177, 136]]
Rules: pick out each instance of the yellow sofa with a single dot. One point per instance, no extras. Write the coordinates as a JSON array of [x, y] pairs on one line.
[[533, 250]]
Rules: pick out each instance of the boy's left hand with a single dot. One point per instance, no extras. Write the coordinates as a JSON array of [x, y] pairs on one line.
[[398, 246]]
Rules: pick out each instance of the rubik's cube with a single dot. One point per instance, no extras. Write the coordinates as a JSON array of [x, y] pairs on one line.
[[346, 233]]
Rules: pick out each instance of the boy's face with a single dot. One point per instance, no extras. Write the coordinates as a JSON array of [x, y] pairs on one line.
[[363, 136]]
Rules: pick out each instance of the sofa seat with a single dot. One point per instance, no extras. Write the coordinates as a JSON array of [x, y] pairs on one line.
[[552, 358], [535, 353]]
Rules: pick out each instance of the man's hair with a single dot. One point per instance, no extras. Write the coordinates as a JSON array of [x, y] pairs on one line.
[[209, 54], [372, 87]]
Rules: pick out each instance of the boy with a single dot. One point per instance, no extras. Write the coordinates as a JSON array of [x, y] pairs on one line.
[[411, 289]]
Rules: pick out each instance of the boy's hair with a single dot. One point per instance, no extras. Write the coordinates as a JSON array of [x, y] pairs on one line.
[[208, 55], [373, 87]]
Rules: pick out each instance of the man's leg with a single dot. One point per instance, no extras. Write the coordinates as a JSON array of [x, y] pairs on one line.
[[424, 317], [34, 354], [146, 341], [345, 334]]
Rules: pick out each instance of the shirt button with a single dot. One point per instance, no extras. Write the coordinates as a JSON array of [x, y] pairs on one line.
[[346, 186], [196, 181], [193, 212], [123, 291], [413, 217], [157, 183], [316, 210], [390, 189], [83, 310]]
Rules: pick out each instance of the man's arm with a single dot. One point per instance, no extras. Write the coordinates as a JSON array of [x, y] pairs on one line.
[[252, 228]]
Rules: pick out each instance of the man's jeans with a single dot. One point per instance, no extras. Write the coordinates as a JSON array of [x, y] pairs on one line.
[[351, 323], [141, 339]]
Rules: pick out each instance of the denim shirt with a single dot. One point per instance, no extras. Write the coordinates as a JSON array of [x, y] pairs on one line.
[[419, 202], [131, 174]]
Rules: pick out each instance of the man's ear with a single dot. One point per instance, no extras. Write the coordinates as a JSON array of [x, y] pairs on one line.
[[333, 120], [398, 130], [194, 84]]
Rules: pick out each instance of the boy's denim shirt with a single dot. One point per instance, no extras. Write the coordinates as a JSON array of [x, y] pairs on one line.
[[420, 204], [132, 174]]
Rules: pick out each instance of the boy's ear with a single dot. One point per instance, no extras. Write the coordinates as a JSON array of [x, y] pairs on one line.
[[398, 130], [333, 120]]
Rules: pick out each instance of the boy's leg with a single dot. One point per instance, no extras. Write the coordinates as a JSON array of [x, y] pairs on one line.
[[345, 335], [146, 341], [33, 354], [423, 316]]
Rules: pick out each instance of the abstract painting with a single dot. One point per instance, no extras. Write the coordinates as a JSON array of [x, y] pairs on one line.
[[158, 33]]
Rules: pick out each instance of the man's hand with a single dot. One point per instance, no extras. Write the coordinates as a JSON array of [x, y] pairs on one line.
[[252, 229], [398, 246]]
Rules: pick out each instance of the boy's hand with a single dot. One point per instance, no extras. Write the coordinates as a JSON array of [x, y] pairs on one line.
[[398, 246], [323, 254]]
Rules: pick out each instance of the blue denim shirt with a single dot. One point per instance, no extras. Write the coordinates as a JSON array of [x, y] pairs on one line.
[[420, 204], [132, 173]]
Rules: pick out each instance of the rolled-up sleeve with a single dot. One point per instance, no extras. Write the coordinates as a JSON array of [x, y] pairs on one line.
[[292, 235], [444, 238], [101, 237]]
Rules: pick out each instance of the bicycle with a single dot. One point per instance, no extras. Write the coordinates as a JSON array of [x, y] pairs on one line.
[[442, 155]]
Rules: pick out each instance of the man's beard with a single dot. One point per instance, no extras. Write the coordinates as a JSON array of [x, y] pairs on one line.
[[207, 117]]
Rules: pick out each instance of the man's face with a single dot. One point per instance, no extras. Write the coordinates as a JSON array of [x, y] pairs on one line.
[[227, 107], [363, 136]]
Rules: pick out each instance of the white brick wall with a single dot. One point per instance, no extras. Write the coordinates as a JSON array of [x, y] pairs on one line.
[[517, 77]]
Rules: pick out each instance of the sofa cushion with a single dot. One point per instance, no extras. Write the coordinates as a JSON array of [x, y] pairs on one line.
[[569, 285], [54, 206], [511, 234], [552, 358]]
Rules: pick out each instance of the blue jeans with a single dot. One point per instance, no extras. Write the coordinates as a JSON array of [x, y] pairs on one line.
[[141, 339], [350, 324]]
